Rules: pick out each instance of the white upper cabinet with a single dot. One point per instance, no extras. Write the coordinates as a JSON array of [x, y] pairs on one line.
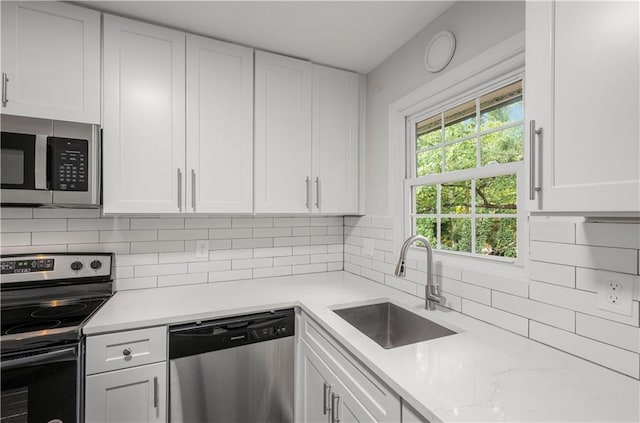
[[306, 138], [582, 93], [144, 118], [219, 127], [51, 61], [335, 140], [282, 134]]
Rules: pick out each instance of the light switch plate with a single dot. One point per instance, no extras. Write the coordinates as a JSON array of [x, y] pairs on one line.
[[202, 248], [615, 292], [368, 247]]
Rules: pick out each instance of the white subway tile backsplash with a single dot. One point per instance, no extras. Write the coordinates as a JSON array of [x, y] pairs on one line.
[[291, 221], [334, 266], [352, 268], [327, 221], [604, 258], [561, 232], [65, 213], [336, 230], [382, 222], [168, 223], [401, 284], [616, 334], [309, 230], [182, 234], [291, 260], [179, 257], [373, 275], [128, 236], [160, 269], [80, 237], [449, 300], [621, 235], [309, 268], [105, 224], [614, 358], [230, 254], [268, 272], [251, 263], [209, 266], [496, 283], [11, 239], [124, 272], [33, 225], [136, 259], [230, 233], [496, 317], [251, 222], [575, 299], [271, 232], [35, 249], [272, 252], [231, 275], [465, 290], [103, 247], [326, 239], [326, 258], [157, 246], [556, 274], [15, 213], [352, 249], [208, 223], [188, 279], [541, 312], [251, 243], [126, 284], [587, 280], [290, 241], [376, 233], [310, 249], [335, 248]]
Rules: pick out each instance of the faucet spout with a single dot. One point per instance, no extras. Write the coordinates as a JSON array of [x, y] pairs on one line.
[[432, 295]]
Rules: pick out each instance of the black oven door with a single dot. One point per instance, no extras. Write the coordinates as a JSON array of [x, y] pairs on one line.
[[23, 168], [41, 386]]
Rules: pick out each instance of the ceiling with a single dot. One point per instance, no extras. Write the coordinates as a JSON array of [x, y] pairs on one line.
[[353, 35]]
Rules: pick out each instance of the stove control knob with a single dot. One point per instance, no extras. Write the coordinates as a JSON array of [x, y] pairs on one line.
[[96, 264], [76, 265]]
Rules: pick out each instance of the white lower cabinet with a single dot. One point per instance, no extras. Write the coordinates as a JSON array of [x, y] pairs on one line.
[[332, 387], [127, 377], [136, 395]]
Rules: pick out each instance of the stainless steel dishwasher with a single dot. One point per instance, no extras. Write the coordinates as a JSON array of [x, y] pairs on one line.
[[238, 369]]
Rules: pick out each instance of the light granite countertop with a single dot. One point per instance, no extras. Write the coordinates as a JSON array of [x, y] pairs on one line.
[[483, 373]]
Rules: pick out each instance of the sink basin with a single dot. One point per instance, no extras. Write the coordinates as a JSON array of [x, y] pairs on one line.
[[392, 326]]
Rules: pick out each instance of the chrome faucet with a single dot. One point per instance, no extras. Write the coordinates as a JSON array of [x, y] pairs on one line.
[[432, 294]]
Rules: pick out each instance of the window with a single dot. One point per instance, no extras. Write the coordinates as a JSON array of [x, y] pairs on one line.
[[465, 171]]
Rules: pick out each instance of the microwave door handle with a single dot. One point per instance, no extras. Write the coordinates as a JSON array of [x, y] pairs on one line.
[[40, 162]]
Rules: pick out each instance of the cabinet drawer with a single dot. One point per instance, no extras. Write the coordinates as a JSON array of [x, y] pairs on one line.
[[371, 392], [126, 349]]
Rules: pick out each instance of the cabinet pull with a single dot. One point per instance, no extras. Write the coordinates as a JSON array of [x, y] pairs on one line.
[[326, 407], [179, 190], [335, 408], [155, 392], [126, 352], [318, 192], [193, 189], [306, 182], [533, 132], [5, 79]]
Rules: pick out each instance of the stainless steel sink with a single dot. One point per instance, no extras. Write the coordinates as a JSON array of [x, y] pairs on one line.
[[392, 326]]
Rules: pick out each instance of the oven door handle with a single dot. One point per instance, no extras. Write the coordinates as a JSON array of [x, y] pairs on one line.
[[67, 354]]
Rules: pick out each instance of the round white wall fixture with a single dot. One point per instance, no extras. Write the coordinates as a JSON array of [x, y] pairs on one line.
[[439, 51]]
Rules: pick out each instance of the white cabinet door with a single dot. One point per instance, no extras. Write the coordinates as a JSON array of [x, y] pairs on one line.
[[282, 134], [219, 127], [335, 140], [51, 61], [144, 118], [582, 91], [137, 394], [322, 389]]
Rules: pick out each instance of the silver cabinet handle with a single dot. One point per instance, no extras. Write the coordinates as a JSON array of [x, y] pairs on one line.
[[326, 407], [317, 192], [179, 189], [155, 392], [193, 189], [533, 132], [126, 352], [5, 79], [306, 182], [335, 408]]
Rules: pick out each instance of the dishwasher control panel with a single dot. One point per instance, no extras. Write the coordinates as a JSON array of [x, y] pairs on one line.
[[206, 336]]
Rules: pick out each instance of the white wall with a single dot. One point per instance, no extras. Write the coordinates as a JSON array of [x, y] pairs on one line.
[[477, 27]]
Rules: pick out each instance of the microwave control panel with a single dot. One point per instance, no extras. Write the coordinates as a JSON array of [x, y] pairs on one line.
[[68, 164]]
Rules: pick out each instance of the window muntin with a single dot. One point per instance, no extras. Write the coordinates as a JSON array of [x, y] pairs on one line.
[[464, 181]]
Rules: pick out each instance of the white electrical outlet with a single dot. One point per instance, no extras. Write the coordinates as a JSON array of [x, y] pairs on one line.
[[202, 248], [615, 292], [368, 247]]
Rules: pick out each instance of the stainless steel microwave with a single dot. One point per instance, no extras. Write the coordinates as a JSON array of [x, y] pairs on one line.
[[49, 163]]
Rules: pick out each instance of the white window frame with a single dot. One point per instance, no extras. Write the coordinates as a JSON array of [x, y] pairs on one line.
[[501, 169], [496, 66]]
